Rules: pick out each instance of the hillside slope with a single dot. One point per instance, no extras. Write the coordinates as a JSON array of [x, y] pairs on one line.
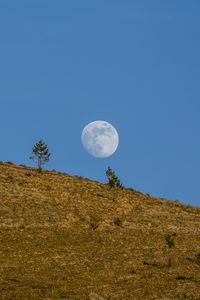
[[65, 237]]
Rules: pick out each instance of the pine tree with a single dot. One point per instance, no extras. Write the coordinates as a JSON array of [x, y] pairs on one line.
[[41, 154], [170, 242], [113, 180]]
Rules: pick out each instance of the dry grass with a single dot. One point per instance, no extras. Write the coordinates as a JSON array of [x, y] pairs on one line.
[[65, 237]]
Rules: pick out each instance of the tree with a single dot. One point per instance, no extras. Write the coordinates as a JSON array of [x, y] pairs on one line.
[[170, 242], [41, 154], [113, 180]]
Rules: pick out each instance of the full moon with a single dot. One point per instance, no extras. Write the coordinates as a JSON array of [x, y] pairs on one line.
[[100, 139]]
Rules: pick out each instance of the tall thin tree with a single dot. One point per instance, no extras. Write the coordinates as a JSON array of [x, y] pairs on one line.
[[41, 154], [170, 242]]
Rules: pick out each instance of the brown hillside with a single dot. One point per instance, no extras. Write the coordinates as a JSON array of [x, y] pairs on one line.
[[65, 237]]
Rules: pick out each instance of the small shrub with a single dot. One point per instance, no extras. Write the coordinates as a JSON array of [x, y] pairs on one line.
[[117, 221], [22, 227], [94, 225], [177, 201], [169, 239], [93, 222], [197, 256], [9, 163], [28, 174]]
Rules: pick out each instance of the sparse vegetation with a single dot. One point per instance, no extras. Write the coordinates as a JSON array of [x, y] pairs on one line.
[[113, 180], [51, 247], [41, 154]]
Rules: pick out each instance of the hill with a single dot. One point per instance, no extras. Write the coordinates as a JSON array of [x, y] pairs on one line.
[[66, 237]]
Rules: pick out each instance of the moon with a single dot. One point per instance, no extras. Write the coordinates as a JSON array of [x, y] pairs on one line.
[[100, 139]]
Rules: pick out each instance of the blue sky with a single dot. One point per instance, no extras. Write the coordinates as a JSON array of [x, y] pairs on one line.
[[135, 64]]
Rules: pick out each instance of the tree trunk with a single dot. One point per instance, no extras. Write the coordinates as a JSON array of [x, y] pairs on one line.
[[169, 261], [169, 258], [39, 164]]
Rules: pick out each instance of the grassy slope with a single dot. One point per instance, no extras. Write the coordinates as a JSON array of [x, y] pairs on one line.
[[59, 240]]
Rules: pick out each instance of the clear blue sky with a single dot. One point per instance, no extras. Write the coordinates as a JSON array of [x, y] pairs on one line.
[[135, 64]]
